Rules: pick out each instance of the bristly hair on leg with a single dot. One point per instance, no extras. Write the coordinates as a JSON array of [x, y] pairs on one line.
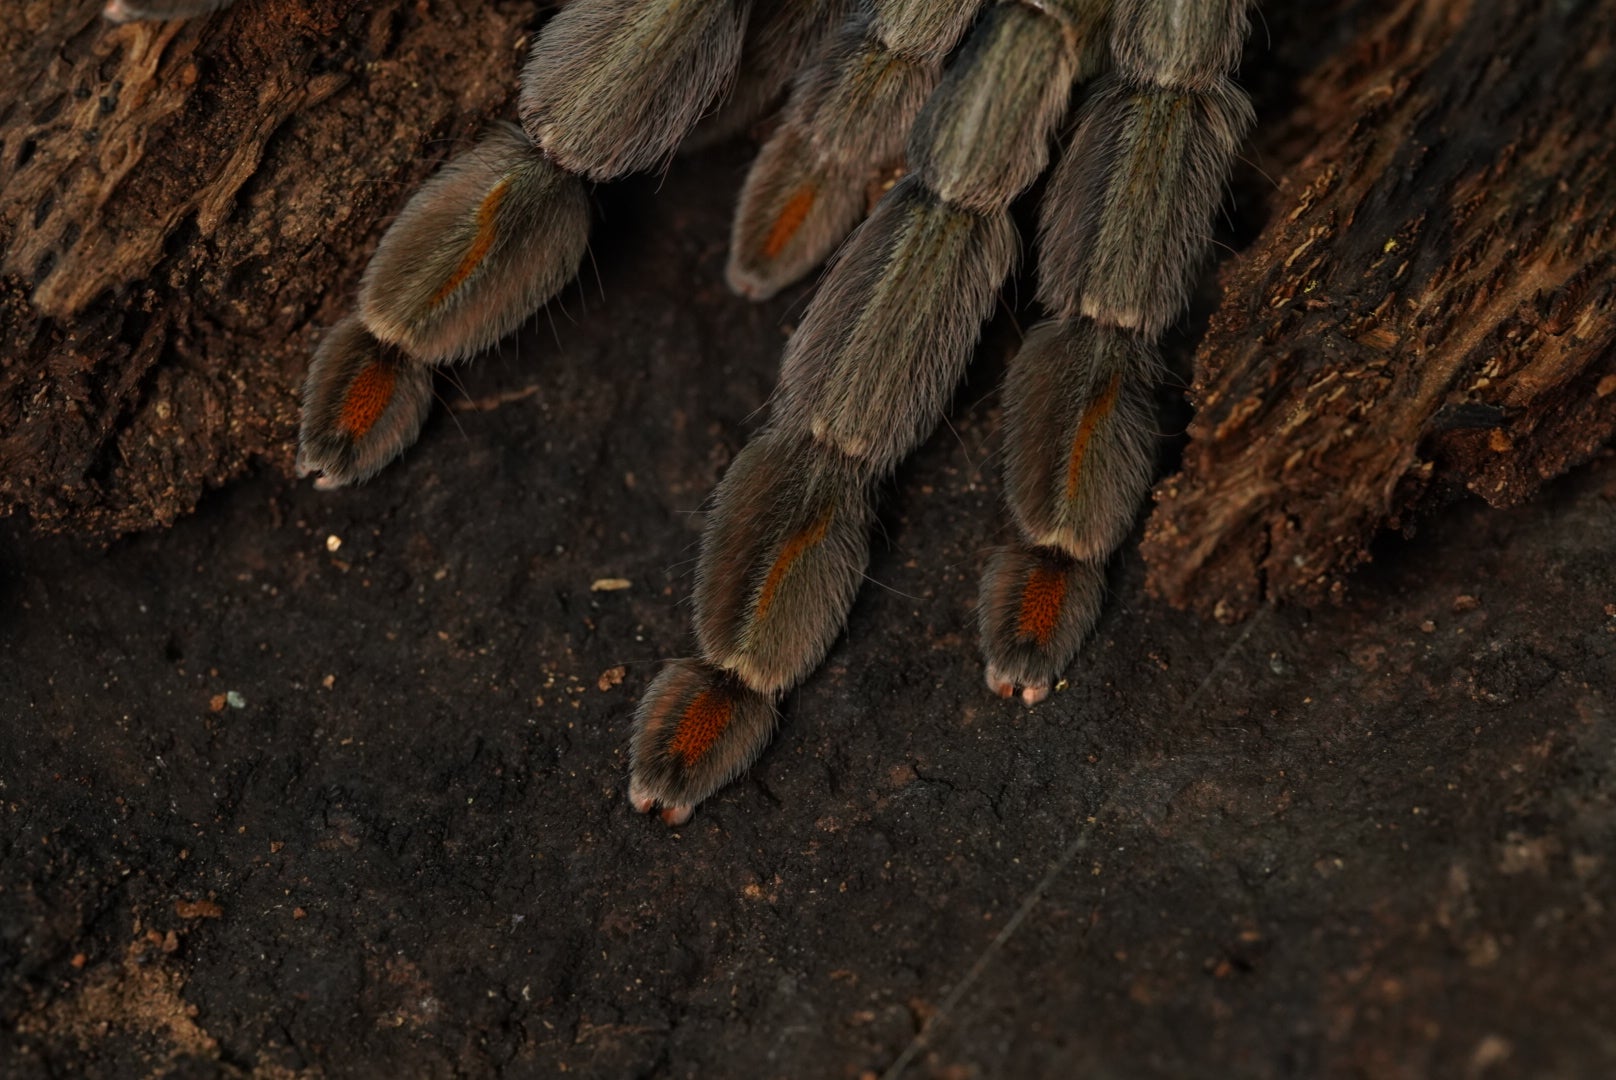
[[869, 371], [613, 86], [363, 404], [845, 124], [459, 269], [782, 40], [1125, 221]]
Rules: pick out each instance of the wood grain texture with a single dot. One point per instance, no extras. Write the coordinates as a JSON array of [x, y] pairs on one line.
[[1430, 310]]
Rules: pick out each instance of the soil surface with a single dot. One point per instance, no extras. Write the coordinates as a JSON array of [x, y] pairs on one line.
[[333, 784]]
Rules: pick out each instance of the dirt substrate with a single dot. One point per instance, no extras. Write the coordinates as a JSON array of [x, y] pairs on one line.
[[333, 784]]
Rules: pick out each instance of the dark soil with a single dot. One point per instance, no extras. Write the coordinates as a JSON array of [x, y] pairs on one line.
[[333, 784]]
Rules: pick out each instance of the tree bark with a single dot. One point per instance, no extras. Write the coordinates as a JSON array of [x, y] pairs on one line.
[[1432, 308]]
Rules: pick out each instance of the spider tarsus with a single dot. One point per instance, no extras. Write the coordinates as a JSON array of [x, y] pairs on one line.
[[695, 730], [363, 403], [1036, 607]]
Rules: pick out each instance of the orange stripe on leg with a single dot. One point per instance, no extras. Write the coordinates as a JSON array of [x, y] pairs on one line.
[[367, 398], [481, 244], [789, 554], [789, 221], [1085, 432], [1041, 601], [704, 720]]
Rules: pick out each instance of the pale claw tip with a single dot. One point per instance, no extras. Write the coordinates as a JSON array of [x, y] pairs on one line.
[[999, 684], [640, 799], [1032, 695]]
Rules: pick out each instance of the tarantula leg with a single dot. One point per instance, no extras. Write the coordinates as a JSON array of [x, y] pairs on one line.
[[1128, 212], [1037, 606], [612, 86], [121, 11], [482, 245], [1080, 447], [456, 272], [695, 731], [1126, 218], [363, 403], [867, 375], [886, 339], [780, 41], [845, 123], [984, 137], [789, 543], [888, 335]]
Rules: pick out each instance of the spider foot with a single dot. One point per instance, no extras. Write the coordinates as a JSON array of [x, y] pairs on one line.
[[363, 403], [694, 732], [1037, 606]]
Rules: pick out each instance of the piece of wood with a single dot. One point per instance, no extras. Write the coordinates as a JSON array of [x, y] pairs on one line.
[[1431, 309]]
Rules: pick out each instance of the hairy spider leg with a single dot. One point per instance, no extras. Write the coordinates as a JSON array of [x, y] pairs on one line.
[[844, 125], [782, 38], [864, 379], [1125, 221], [611, 87]]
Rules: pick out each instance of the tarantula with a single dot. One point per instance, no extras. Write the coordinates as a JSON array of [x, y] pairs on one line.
[[969, 97]]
